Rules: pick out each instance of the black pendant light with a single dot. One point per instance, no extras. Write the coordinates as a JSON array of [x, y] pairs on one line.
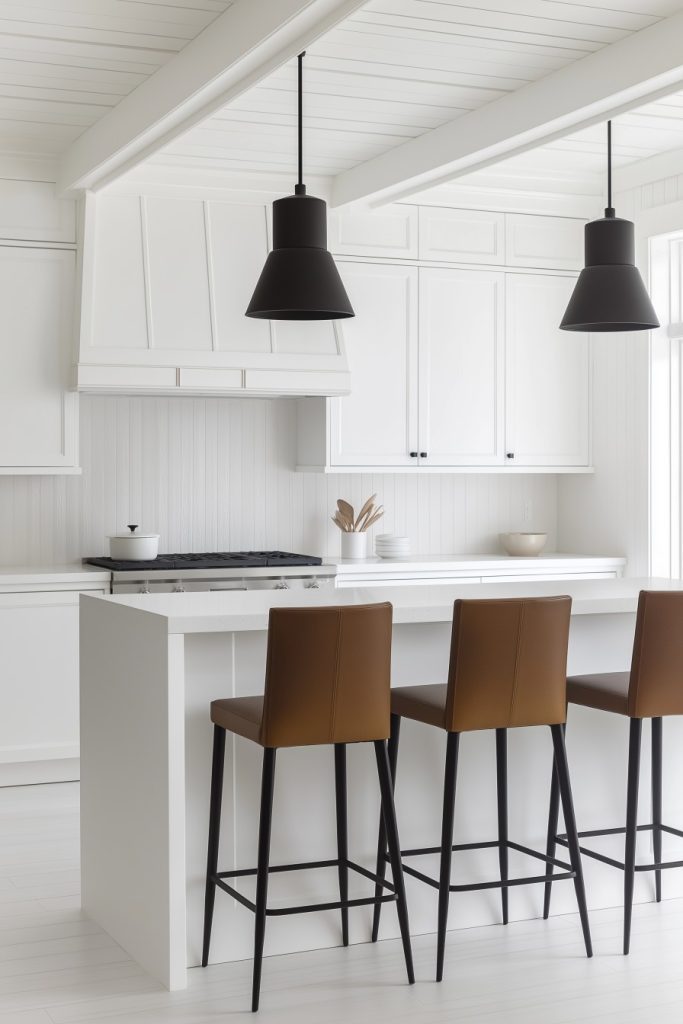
[[299, 280], [609, 294]]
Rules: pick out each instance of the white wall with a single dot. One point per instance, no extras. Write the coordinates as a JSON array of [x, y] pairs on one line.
[[217, 474]]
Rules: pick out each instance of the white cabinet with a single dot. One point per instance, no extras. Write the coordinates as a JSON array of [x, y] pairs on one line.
[[551, 243], [377, 423], [547, 375], [460, 370], [461, 365], [39, 684], [389, 232], [38, 414], [167, 280], [461, 236]]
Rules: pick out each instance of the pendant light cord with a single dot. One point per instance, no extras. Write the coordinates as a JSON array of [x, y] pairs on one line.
[[609, 212], [300, 189]]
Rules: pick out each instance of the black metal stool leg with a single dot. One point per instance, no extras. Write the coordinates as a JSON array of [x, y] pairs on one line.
[[562, 771], [214, 835], [657, 801], [551, 842], [382, 838], [342, 834], [631, 822], [389, 815], [267, 786], [450, 776], [502, 787]]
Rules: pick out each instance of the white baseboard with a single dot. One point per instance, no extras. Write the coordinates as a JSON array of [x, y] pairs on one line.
[[32, 773]]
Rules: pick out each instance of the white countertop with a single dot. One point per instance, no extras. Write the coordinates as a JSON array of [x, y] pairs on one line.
[[37, 575], [210, 612], [467, 563]]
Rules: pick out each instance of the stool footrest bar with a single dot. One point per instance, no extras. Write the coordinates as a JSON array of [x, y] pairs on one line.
[[219, 879], [611, 861]]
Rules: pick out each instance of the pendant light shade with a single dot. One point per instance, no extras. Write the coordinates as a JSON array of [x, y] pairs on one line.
[[610, 294], [299, 280]]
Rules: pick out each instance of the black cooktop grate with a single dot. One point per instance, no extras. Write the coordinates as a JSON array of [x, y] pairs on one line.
[[210, 560]]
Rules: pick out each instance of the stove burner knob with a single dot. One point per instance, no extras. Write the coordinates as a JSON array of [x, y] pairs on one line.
[[282, 584], [144, 588], [312, 584], [178, 587]]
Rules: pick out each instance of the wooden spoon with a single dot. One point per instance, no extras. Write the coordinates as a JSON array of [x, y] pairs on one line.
[[346, 510], [378, 515], [367, 508]]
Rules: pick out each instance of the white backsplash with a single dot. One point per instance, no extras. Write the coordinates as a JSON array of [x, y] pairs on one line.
[[218, 474]]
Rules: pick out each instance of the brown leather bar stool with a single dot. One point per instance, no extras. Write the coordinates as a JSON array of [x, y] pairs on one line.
[[507, 669], [327, 682], [652, 689]]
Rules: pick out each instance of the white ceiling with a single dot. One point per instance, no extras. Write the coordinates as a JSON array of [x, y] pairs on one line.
[[397, 68], [65, 63]]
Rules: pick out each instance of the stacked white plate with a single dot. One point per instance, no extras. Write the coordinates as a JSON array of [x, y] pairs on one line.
[[389, 545]]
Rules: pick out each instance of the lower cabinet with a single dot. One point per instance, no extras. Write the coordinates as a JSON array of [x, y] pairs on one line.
[[39, 684]]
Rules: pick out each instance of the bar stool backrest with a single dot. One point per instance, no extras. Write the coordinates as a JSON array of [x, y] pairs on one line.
[[656, 682], [508, 664], [328, 675]]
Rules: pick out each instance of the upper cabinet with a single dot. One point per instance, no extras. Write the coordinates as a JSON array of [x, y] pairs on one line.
[[551, 243], [166, 282], [389, 232], [38, 414], [547, 376], [461, 367], [461, 236]]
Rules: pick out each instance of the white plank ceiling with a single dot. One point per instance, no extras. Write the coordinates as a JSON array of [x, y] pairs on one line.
[[397, 68], [65, 63]]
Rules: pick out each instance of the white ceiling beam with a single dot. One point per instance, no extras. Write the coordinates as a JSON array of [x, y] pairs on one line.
[[648, 170], [244, 44], [639, 68]]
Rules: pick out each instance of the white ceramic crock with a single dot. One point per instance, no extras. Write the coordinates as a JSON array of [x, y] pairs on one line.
[[134, 547], [354, 545]]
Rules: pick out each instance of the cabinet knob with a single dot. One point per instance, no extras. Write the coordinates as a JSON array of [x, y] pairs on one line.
[[423, 455], [413, 455], [509, 455]]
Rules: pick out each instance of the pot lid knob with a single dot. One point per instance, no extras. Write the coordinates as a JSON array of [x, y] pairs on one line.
[[132, 527]]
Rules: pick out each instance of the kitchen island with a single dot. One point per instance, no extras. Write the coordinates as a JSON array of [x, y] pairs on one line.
[[151, 664]]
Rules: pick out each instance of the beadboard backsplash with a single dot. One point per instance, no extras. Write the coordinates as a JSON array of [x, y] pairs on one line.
[[218, 474]]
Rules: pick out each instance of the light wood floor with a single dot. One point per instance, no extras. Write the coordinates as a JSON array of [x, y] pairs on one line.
[[56, 967]]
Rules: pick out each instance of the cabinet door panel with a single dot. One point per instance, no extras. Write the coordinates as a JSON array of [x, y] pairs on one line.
[[549, 242], [548, 374], [461, 236], [37, 412], [178, 279], [376, 425], [388, 232], [39, 636], [238, 246], [461, 367]]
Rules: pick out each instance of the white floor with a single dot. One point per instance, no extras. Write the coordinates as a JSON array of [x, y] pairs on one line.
[[58, 968]]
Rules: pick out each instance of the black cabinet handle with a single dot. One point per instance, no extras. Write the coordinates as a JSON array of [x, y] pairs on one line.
[[509, 455], [413, 455], [423, 455]]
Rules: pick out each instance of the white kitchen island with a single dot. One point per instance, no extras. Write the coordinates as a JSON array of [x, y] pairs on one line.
[[150, 665]]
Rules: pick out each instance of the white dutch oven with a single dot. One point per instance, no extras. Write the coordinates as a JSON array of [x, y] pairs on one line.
[[134, 547]]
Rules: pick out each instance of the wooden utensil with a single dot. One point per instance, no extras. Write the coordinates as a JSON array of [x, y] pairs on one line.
[[366, 510], [345, 509], [373, 519]]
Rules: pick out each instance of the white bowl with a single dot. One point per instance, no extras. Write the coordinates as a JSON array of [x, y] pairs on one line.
[[134, 547], [523, 545]]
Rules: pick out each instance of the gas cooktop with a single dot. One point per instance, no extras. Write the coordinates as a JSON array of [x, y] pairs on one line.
[[210, 560]]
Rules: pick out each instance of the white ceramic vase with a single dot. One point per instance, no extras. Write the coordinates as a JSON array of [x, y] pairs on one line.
[[354, 545]]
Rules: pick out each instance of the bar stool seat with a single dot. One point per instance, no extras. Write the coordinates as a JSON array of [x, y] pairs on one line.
[[421, 703], [240, 715], [606, 691]]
